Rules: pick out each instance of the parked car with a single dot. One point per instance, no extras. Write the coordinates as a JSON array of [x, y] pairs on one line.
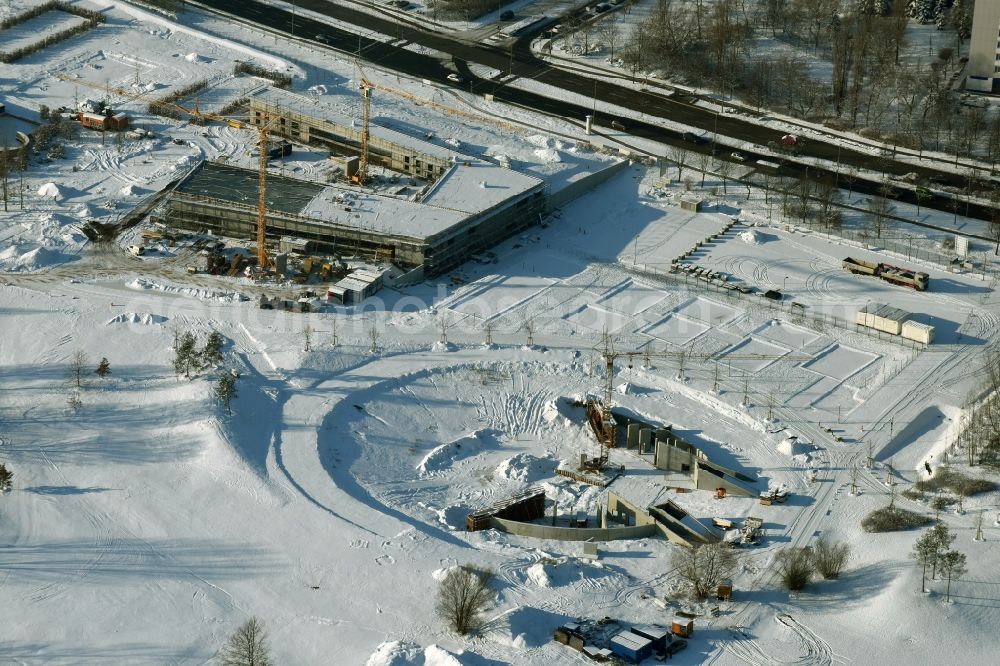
[[507, 15], [323, 38], [691, 137], [455, 78], [617, 124], [738, 156]]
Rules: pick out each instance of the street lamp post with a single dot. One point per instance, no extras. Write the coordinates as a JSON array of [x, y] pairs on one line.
[[784, 282]]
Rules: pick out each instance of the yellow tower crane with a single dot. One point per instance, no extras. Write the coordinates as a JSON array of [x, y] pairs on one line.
[[361, 177], [263, 130]]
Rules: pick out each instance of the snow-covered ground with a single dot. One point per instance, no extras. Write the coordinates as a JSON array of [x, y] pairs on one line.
[[147, 523]]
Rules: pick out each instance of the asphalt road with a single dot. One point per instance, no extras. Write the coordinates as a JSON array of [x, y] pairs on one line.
[[517, 60]]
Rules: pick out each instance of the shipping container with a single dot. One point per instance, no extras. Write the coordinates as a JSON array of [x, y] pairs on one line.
[[882, 317], [914, 330], [631, 647], [683, 627]]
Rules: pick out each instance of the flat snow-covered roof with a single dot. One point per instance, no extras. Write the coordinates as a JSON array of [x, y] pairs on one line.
[[380, 213], [472, 185]]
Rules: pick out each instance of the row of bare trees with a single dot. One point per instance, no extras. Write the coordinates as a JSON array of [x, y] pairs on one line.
[[870, 86]]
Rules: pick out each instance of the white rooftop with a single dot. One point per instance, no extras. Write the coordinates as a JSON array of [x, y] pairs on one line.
[[474, 185], [381, 213]]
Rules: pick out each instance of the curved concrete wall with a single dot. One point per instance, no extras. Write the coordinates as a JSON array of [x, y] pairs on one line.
[[23, 140], [572, 533]]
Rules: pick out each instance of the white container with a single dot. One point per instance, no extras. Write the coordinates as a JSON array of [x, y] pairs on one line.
[[914, 330]]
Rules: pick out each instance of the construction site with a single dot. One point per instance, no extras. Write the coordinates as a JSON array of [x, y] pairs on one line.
[[449, 332]]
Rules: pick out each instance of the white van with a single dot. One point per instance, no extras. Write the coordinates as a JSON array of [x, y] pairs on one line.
[[136, 250]]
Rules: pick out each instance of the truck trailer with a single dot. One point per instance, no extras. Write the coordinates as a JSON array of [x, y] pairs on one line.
[[893, 274]]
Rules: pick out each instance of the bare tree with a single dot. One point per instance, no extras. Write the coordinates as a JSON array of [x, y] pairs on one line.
[[373, 336], [247, 646], [855, 472], [488, 330], [463, 595], [703, 567], [77, 368], [795, 566], [878, 209], [725, 170], [703, 160], [830, 557], [307, 338], [679, 155]]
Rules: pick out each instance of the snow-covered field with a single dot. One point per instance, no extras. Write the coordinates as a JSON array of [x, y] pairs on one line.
[[146, 523]]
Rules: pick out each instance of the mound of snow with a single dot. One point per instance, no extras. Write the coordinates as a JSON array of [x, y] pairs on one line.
[[50, 191], [537, 575], [396, 653], [33, 260], [547, 155], [441, 457], [136, 318], [130, 190], [317, 90], [192, 57], [525, 467], [540, 140], [750, 237], [82, 211], [443, 346], [791, 446]]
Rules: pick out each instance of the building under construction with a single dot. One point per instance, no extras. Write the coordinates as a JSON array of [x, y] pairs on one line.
[[469, 206]]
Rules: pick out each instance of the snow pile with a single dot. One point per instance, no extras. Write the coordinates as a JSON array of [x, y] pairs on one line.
[[33, 260], [547, 155], [137, 318], [791, 446], [524, 467], [317, 90], [50, 191], [750, 237], [130, 190], [537, 575], [440, 346], [441, 457], [192, 57], [396, 653], [453, 142], [206, 294], [540, 141], [83, 211]]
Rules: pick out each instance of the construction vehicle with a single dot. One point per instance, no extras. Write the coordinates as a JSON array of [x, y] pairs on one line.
[[893, 274], [773, 496], [789, 143]]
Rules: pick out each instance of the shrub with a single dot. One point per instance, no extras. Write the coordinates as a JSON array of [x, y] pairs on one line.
[[948, 479], [795, 566], [830, 557], [280, 79], [892, 519], [913, 494]]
